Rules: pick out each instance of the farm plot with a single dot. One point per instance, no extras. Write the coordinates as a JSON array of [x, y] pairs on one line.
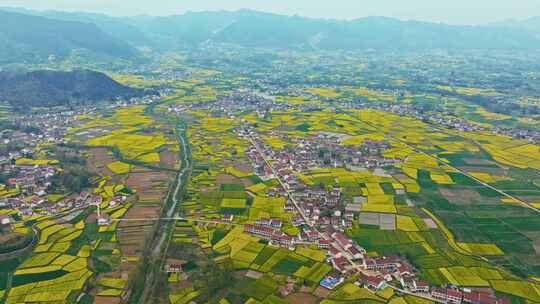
[[131, 234], [151, 186], [349, 292], [126, 134], [267, 207], [52, 274], [314, 273], [99, 159]]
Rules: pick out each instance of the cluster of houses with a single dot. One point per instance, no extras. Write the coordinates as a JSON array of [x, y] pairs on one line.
[[41, 206], [270, 229], [319, 151], [28, 183], [29, 179], [319, 206], [325, 150], [315, 206], [27, 186], [348, 258], [377, 272]]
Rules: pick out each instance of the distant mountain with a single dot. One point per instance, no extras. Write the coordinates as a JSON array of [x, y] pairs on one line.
[[255, 29], [116, 27], [27, 38], [247, 28], [531, 24], [183, 31], [47, 88]]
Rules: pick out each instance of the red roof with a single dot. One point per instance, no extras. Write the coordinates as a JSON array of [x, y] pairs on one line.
[[313, 233], [333, 251], [260, 229], [284, 238], [404, 268], [387, 260], [438, 291], [340, 260], [488, 300], [374, 281], [342, 240], [454, 293], [480, 297], [370, 261], [421, 284]]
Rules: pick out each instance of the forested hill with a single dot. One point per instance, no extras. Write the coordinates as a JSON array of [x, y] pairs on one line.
[[28, 38], [46, 88]]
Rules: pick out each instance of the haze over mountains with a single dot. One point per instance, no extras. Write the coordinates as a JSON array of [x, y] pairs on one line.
[[34, 38], [34, 35], [530, 24]]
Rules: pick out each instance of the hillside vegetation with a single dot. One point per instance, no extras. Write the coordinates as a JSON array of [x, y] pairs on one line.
[[56, 88]]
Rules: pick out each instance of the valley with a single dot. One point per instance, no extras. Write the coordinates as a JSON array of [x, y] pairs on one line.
[[227, 168]]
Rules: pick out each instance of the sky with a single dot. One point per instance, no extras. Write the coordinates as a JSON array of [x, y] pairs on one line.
[[470, 12]]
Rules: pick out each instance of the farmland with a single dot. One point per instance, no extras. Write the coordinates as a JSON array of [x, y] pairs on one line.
[[73, 257], [410, 210], [268, 183]]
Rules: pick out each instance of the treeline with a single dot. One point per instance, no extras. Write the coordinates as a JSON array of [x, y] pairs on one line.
[[492, 105], [207, 276], [19, 241], [17, 126], [74, 177], [502, 108]]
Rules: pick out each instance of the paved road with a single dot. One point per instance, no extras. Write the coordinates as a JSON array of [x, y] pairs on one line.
[[420, 295], [157, 219], [16, 253], [283, 185], [324, 235]]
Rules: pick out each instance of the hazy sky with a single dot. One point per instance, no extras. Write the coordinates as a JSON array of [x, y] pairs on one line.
[[447, 11]]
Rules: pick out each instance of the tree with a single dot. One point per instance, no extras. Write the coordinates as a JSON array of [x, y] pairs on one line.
[[74, 178]]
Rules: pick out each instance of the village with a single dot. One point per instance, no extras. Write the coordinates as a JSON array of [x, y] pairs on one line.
[[320, 216], [27, 172], [264, 103], [319, 213]]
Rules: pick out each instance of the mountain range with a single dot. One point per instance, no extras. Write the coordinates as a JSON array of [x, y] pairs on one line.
[[34, 35], [48, 88], [530, 24], [34, 38]]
